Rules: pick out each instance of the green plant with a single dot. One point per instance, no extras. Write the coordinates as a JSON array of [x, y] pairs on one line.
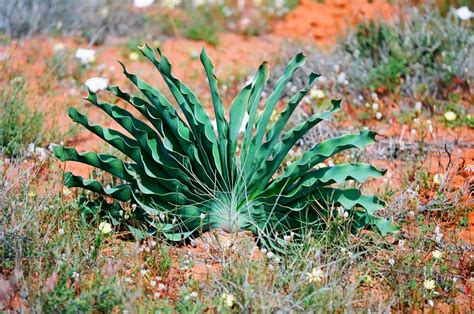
[[19, 126], [202, 27], [187, 177]]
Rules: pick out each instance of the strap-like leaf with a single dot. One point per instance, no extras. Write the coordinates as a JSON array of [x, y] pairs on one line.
[[108, 163], [150, 142], [219, 113], [275, 132], [266, 171], [275, 96], [193, 111], [237, 114], [120, 192], [258, 84], [335, 174], [319, 153]]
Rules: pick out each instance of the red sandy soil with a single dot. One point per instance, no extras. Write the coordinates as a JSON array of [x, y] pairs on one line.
[[313, 22], [323, 22]]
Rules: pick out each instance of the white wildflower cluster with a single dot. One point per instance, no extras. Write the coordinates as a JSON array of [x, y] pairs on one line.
[[463, 13], [438, 234], [450, 116], [228, 299], [341, 211], [143, 3], [37, 152], [316, 275], [438, 178], [429, 284], [96, 84], [59, 48], [85, 56], [105, 227]]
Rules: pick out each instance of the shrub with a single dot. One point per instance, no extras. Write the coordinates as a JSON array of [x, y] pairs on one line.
[[423, 48], [422, 56], [19, 126], [187, 177]]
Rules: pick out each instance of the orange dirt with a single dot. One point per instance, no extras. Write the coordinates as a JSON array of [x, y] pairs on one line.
[[323, 22], [236, 56]]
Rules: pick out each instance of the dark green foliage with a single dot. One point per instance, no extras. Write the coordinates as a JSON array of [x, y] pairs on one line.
[[185, 176]]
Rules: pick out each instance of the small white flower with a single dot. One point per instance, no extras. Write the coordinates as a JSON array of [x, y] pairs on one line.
[[31, 148], [270, 254], [438, 178], [374, 96], [152, 283], [162, 216], [96, 84], [317, 93], [450, 116], [170, 4], [375, 106], [315, 276], [153, 243], [429, 284], [437, 254], [75, 275], [105, 227], [193, 294], [413, 132], [161, 286], [463, 13], [391, 261], [85, 55], [287, 238], [58, 47], [61, 231], [264, 251], [202, 216], [143, 272], [134, 206], [229, 299], [142, 3], [431, 303], [341, 211], [156, 295], [244, 22], [418, 106], [133, 56], [341, 78], [378, 115]]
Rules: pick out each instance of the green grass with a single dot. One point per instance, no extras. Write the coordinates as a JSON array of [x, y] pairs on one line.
[[53, 259], [19, 125]]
